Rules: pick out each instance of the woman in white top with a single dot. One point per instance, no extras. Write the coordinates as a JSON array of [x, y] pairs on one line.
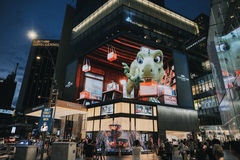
[[136, 150]]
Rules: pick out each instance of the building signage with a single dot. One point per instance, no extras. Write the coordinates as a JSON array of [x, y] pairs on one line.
[[182, 78], [196, 43], [37, 108], [45, 123], [46, 43], [4, 111]]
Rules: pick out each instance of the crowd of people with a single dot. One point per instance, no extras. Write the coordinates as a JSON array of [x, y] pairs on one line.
[[205, 150], [90, 150], [186, 149]]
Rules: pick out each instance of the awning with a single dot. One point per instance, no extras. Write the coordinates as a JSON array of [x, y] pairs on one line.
[[63, 108]]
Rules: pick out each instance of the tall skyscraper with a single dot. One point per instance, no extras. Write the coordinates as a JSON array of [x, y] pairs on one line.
[[39, 74]]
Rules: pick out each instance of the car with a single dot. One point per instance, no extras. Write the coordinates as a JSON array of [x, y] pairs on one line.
[[10, 140]]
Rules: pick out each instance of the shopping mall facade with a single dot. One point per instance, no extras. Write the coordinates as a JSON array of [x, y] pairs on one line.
[[129, 65]]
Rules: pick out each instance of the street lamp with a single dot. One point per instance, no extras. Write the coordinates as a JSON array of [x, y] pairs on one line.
[[53, 95]]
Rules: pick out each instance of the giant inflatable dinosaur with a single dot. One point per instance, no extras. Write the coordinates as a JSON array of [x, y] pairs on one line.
[[147, 66]]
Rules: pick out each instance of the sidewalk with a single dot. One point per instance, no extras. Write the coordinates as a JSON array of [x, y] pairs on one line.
[[227, 156]]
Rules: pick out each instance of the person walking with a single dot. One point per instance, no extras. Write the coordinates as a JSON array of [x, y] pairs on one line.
[[218, 152], [103, 150], [161, 149], [183, 148], [192, 148], [81, 148], [201, 153], [136, 150], [210, 149], [168, 149], [235, 148], [89, 150]]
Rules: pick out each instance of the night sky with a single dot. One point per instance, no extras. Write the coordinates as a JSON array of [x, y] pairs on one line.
[[45, 17]]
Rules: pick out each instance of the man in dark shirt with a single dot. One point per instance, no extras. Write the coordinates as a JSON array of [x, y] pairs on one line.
[[168, 149], [209, 150], [89, 148]]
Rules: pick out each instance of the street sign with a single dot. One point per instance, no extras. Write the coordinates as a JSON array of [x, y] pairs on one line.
[[45, 122]]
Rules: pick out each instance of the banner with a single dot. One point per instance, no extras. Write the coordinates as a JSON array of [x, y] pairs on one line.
[[184, 89], [45, 122]]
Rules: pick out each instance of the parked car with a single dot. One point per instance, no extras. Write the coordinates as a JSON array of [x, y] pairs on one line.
[[10, 140]]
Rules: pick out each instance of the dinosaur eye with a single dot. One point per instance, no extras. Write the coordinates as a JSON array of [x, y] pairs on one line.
[[157, 59], [139, 60]]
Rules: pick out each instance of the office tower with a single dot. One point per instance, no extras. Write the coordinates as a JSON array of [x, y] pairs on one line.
[[39, 74]]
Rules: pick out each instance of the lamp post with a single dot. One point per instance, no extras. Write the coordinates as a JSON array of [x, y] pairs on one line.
[[53, 95]]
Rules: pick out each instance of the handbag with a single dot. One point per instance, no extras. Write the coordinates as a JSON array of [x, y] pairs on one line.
[[86, 65], [112, 55], [112, 86], [148, 88], [84, 94]]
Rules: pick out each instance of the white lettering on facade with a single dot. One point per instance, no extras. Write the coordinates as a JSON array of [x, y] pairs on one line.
[[73, 105], [183, 78]]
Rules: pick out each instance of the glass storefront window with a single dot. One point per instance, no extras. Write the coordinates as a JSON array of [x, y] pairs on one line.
[[122, 108], [89, 126], [105, 124], [144, 125]]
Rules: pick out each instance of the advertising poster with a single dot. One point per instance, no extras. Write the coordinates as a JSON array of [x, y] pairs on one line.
[[143, 109], [107, 109], [45, 120]]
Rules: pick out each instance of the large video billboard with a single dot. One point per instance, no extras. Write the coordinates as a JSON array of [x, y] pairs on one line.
[[161, 76]]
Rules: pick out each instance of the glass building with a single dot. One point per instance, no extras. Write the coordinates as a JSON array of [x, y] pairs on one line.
[[224, 55]]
